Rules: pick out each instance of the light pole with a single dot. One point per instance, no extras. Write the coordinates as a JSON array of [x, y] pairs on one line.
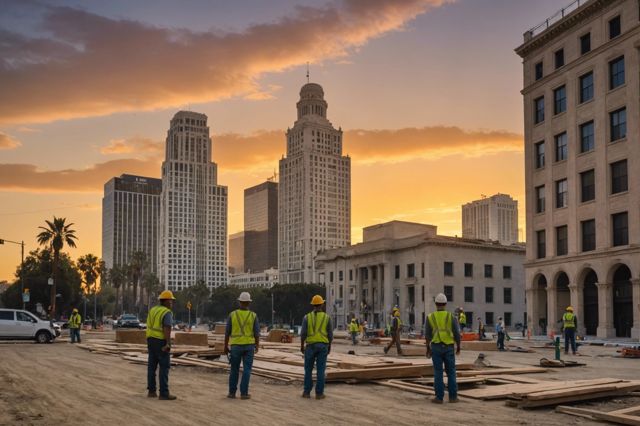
[[272, 311], [21, 244]]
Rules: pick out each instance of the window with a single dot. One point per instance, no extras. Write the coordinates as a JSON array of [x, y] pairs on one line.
[[8, 315], [422, 293], [331, 276], [507, 294], [340, 292], [587, 139], [23, 316], [539, 71], [585, 43], [587, 186], [422, 269], [507, 319], [506, 272], [540, 200], [340, 275], [586, 87], [539, 110], [397, 272], [539, 147], [448, 291], [448, 269], [411, 270], [488, 318], [561, 146], [468, 269], [614, 27], [616, 73], [561, 194], [350, 274], [488, 271], [618, 124], [559, 58], [488, 294], [468, 294], [619, 181], [560, 100], [541, 244], [620, 229], [562, 240], [588, 228]]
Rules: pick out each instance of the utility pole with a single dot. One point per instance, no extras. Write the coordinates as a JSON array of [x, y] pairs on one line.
[[21, 244], [272, 311]]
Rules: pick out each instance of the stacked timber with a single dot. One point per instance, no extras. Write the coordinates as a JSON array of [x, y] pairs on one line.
[[192, 339], [131, 336]]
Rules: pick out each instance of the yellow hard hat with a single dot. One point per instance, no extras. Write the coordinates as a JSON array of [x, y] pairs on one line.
[[353, 320], [317, 300], [166, 295], [569, 308], [75, 310], [396, 313]]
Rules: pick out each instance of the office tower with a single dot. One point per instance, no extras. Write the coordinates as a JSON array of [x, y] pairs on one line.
[[236, 253], [494, 218], [261, 227]]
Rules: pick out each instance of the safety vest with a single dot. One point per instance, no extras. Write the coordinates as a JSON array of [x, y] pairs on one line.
[[569, 320], [317, 327], [463, 318], [242, 323], [399, 323], [441, 324], [353, 327], [154, 321], [75, 321]]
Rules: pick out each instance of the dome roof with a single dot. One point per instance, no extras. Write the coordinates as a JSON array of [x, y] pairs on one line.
[[311, 91]]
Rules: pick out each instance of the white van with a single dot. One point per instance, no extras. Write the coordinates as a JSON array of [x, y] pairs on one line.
[[19, 324]]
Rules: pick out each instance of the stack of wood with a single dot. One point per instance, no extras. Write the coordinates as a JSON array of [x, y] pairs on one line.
[[625, 416]]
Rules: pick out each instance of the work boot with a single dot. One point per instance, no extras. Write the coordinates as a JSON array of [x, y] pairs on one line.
[[167, 397], [386, 350], [231, 396], [436, 401], [152, 394], [453, 400], [320, 396], [247, 396], [305, 395]]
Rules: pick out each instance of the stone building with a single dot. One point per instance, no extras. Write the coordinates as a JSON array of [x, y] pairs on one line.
[[492, 218]]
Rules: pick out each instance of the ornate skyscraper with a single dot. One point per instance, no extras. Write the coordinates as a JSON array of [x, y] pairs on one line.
[[193, 212], [314, 203]]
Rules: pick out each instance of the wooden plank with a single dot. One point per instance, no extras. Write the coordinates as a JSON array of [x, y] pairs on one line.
[[620, 390], [611, 416], [494, 371], [415, 389], [380, 373], [504, 391], [507, 378], [569, 390]]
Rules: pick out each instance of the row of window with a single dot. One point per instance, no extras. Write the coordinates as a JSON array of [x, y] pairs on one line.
[[468, 270], [469, 294], [620, 235]]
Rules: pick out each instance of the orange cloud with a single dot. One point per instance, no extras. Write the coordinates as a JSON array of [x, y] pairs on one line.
[[92, 65], [135, 144], [8, 142]]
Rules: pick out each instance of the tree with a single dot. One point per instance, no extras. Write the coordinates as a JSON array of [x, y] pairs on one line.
[[55, 235], [198, 295], [117, 278], [137, 264], [151, 283], [91, 268]]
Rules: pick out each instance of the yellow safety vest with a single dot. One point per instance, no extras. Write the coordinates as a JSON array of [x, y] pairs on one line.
[[569, 320], [317, 327], [75, 320], [441, 324], [463, 318], [353, 327], [154, 321], [242, 323]]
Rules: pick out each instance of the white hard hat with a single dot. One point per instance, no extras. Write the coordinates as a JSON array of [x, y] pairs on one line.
[[441, 298], [244, 297]]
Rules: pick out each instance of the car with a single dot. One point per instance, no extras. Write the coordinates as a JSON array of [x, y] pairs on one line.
[[128, 321], [21, 324]]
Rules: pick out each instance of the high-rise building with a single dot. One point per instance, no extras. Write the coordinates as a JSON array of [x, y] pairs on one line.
[[130, 215], [261, 227], [193, 213], [236, 253], [314, 203], [494, 218], [582, 168]]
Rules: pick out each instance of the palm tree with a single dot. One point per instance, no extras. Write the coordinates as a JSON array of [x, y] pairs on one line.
[[151, 284], [91, 268], [55, 235], [138, 263], [199, 293], [118, 278]]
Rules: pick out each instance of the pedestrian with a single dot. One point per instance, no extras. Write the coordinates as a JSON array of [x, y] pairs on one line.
[[481, 335], [501, 334], [396, 326], [364, 330], [569, 324], [317, 333], [159, 322], [462, 319], [243, 334], [75, 321], [441, 333], [353, 329]]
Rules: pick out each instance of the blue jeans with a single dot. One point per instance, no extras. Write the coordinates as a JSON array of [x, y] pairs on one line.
[[315, 353], [501, 340], [354, 337], [244, 354], [75, 335], [157, 357], [444, 354], [570, 337]]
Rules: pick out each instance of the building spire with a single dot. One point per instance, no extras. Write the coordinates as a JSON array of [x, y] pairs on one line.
[[307, 71]]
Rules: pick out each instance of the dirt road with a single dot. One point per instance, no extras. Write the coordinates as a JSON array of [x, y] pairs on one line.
[[60, 384]]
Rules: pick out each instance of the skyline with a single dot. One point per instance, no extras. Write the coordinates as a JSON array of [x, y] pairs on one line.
[[56, 162]]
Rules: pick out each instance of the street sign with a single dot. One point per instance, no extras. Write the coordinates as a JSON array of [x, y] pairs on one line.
[[50, 281], [26, 296], [189, 305]]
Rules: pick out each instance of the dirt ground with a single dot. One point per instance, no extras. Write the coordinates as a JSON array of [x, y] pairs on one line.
[[60, 384]]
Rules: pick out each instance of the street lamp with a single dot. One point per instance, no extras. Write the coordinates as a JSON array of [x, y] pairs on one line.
[[21, 244]]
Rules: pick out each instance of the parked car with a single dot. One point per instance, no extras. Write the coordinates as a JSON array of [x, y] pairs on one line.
[[20, 324], [129, 321]]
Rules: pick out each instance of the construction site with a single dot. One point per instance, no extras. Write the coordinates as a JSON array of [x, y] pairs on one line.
[[103, 380]]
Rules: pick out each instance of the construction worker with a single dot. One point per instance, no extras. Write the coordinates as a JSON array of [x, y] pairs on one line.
[[363, 330], [396, 326], [569, 324], [354, 330], [75, 321], [317, 332], [462, 319], [481, 335], [441, 333], [243, 334], [500, 330], [159, 322]]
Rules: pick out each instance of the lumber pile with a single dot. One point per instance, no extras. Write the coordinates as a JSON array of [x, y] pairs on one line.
[[276, 335], [131, 336], [625, 416], [192, 339]]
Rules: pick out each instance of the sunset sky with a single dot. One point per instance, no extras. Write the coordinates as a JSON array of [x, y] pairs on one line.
[[427, 92]]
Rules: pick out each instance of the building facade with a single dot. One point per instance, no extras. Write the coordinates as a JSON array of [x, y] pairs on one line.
[[261, 227], [193, 208], [267, 279], [407, 264], [130, 219], [494, 218], [582, 170], [314, 203], [236, 253]]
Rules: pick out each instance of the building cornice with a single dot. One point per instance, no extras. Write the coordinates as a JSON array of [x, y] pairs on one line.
[[583, 257]]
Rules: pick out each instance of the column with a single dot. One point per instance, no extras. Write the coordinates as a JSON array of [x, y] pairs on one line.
[[635, 288], [605, 311], [577, 301], [388, 293], [552, 310], [532, 311]]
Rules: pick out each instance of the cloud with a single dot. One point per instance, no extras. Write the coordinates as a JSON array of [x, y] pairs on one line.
[[133, 145], [89, 65], [8, 142]]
